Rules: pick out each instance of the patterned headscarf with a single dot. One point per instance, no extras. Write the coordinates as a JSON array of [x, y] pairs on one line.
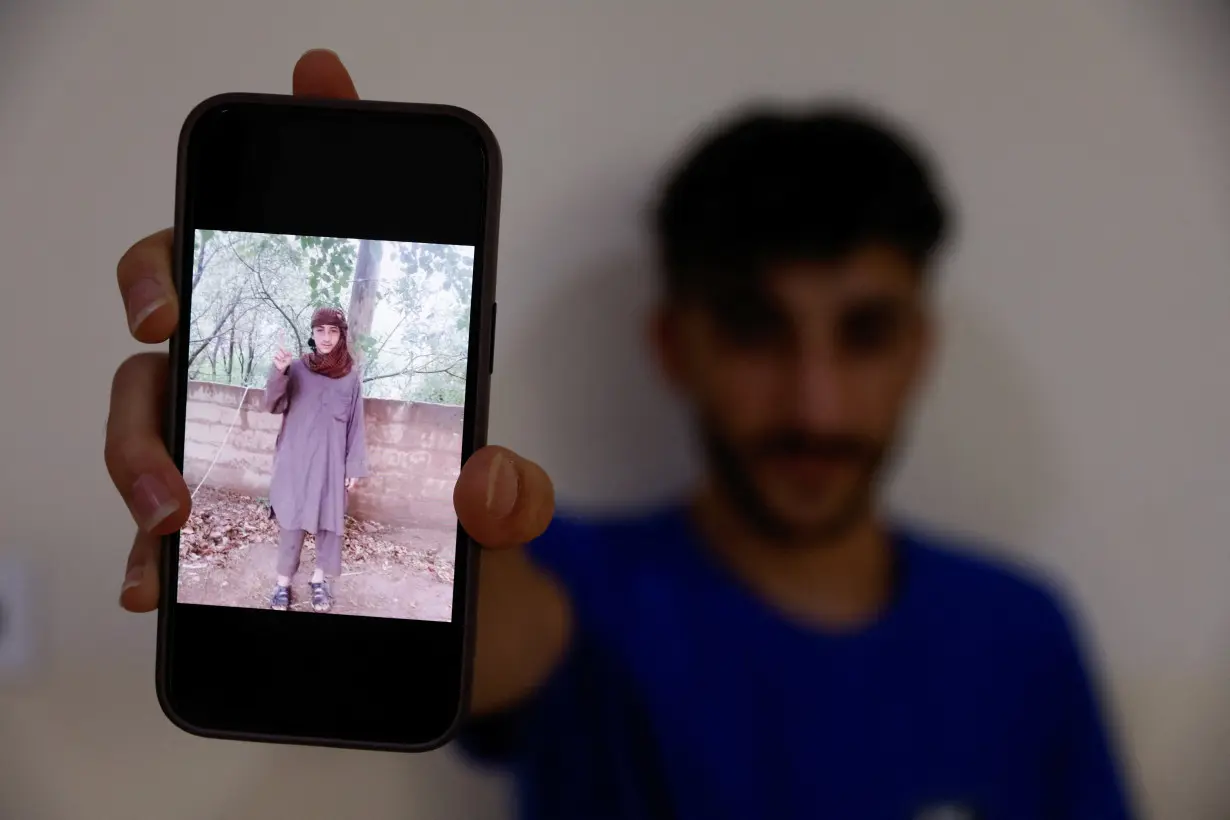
[[338, 361]]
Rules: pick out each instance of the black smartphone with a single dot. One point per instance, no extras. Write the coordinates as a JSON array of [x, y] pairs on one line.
[[329, 376]]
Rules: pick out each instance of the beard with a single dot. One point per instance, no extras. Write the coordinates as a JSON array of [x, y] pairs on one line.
[[733, 466]]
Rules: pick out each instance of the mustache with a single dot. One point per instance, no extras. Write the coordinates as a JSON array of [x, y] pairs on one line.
[[829, 446]]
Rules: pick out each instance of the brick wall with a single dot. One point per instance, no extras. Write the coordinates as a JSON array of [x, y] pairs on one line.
[[413, 453]]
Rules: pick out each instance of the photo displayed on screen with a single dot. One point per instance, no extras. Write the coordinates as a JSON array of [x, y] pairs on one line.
[[326, 386]]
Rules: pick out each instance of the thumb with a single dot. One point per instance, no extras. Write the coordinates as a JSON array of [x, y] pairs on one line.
[[503, 500], [319, 73]]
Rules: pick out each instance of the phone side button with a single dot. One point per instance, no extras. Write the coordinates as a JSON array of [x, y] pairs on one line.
[[491, 353]]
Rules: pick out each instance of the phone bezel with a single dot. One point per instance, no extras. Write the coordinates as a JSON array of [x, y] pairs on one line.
[[439, 689]]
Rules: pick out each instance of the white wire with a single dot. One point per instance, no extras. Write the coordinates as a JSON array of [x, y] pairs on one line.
[[225, 439]]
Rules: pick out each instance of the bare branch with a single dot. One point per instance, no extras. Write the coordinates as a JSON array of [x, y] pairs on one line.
[[376, 355], [219, 330], [267, 296], [201, 262], [411, 371]]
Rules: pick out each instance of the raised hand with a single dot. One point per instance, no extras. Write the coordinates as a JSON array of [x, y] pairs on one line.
[[282, 359]]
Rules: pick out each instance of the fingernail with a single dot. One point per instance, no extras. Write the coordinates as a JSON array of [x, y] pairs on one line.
[[141, 300], [152, 502], [502, 487], [133, 578]]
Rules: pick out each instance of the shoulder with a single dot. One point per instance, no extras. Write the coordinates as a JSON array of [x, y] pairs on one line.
[[976, 588]]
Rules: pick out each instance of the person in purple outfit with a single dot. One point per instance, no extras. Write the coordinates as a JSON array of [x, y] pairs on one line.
[[319, 454]]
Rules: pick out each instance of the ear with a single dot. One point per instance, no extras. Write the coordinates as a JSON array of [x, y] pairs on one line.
[[663, 335]]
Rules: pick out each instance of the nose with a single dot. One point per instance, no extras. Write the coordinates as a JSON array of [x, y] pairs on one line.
[[822, 391]]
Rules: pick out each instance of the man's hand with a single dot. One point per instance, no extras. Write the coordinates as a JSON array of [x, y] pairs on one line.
[[503, 501], [136, 456], [282, 359], [524, 619]]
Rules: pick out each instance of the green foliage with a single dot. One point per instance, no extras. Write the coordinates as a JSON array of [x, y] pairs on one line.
[[421, 259], [330, 265]]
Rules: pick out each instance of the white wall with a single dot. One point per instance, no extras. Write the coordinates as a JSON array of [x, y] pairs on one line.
[[1082, 417]]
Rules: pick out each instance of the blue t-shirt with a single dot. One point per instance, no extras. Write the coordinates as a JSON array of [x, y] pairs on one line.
[[684, 696]]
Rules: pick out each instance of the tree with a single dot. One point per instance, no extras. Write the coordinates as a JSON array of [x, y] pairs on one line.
[[433, 299], [254, 292], [205, 250], [364, 293]]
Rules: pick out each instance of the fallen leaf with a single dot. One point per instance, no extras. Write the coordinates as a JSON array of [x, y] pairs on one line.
[[222, 523]]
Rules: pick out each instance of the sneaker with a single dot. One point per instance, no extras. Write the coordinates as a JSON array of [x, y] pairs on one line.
[[322, 601], [281, 599]]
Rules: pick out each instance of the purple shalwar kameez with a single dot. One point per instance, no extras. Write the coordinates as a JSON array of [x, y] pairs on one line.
[[320, 446]]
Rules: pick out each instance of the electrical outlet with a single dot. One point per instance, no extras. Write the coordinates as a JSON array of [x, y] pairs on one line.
[[16, 618]]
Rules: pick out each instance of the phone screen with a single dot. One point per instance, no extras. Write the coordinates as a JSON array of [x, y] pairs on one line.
[[323, 423], [329, 377]]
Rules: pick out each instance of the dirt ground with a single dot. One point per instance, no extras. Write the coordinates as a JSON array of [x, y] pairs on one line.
[[228, 554]]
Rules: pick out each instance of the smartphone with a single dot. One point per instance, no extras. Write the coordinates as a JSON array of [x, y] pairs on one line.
[[329, 376]]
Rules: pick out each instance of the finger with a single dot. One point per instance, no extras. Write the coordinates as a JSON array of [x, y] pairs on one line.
[[136, 456], [140, 590], [503, 500], [144, 276], [320, 73]]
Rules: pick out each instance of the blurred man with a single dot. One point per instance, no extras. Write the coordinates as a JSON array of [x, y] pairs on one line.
[[770, 646]]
